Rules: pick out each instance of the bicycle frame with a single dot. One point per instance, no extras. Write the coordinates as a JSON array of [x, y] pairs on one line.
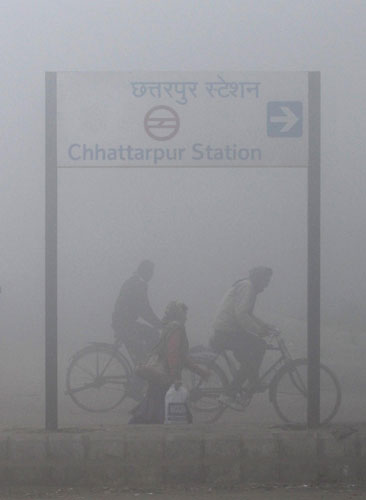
[[116, 347], [273, 369]]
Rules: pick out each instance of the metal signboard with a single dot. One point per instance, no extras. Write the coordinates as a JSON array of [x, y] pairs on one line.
[[241, 119]]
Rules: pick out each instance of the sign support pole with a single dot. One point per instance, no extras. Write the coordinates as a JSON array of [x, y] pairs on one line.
[[314, 195], [51, 253]]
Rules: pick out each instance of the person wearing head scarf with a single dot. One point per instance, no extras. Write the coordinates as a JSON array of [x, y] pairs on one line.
[[173, 355], [132, 306], [237, 329]]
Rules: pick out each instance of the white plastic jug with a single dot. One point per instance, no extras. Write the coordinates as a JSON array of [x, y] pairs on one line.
[[176, 409]]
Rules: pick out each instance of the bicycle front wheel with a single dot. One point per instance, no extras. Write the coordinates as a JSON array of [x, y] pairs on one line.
[[97, 378], [289, 393]]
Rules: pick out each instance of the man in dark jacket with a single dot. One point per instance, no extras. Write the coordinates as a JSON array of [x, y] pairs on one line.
[[133, 305]]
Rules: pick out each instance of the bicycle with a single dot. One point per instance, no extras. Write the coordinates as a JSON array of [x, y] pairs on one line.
[[100, 377], [285, 380]]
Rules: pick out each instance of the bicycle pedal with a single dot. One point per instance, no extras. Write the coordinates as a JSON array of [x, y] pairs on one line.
[[237, 402]]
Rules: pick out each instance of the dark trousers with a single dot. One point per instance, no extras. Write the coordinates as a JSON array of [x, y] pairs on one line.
[[151, 410], [139, 339], [248, 350]]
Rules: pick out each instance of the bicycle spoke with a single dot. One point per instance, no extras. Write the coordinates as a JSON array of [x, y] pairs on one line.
[[298, 383], [113, 389], [97, 363], [106, 366], [218, 414], [83, 388], [115, 380], [210, 393], [292, 393], [85, 370]]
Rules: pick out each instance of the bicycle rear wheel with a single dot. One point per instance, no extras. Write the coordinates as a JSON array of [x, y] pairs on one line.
[[204, 394], [97, 378], [289, 393]]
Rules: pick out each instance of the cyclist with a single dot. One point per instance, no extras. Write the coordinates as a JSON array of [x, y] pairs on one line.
[[133, 305], [238, 330]]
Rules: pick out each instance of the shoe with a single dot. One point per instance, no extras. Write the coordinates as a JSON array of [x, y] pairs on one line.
[[236, 402], [225, 399]]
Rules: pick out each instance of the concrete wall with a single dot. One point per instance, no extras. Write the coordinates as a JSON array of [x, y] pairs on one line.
[[148, 456]]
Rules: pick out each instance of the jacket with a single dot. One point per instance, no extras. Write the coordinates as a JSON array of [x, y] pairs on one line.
[[132, 304], [235, 312]]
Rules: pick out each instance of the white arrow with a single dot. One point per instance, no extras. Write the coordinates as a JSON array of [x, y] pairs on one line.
[[289, 119]]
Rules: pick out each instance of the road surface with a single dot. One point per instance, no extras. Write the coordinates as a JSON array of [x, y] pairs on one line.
[[253, 493]]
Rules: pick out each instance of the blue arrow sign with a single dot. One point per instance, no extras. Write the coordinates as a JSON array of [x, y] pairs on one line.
[[284, 119]]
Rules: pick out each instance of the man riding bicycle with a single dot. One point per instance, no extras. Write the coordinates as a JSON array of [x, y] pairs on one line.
[[132, 305], [237, 329]]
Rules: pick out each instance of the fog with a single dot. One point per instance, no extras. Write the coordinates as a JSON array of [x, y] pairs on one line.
[[203, 228]]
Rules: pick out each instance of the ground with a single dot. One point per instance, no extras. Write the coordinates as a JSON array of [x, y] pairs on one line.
[[303, 492]]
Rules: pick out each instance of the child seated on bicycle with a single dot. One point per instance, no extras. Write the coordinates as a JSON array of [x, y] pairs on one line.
[[172, 355]]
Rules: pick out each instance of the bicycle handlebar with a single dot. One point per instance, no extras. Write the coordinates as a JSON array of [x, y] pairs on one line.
[[274, 332]]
